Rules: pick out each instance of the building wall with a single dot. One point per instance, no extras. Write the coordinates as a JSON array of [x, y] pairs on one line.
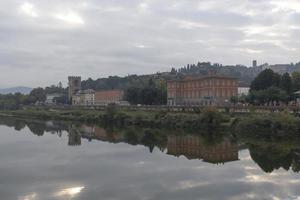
[[83, 98], [193, 147], [209, 90], [74, 85], [108, 96]]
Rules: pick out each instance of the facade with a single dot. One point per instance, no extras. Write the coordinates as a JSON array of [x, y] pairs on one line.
[[254, 63], [243, 91], [106, 97], [211, 89], [51, 98], [74, 86], [194, 147], [84, 98]]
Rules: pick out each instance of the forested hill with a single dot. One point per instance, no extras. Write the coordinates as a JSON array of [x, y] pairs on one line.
[[244, 74], [116, 82]]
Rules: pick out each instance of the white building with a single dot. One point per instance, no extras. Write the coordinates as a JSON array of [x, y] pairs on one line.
[[84, 97], [51, 98], [243, 91]]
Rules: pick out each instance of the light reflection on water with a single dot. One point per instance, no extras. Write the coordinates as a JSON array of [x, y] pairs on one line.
[[69, 192], [56, 160]]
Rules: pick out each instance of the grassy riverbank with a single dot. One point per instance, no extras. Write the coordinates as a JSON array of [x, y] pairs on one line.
[[207, 119], [280, 125]]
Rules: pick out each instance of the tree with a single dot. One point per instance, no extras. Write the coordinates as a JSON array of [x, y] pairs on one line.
[[234, 100], [296, 80], [265, 79], [37, 94], [286, 83]]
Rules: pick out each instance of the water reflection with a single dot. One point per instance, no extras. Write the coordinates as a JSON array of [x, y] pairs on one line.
[[93, 162], [216, 150], [209, 148], [195, 147]]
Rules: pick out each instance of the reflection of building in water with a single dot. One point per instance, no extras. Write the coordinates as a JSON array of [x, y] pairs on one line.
[[74, 137], [194, 147], [96, 132]]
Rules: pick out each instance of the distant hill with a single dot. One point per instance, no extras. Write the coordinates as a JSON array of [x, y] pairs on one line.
[[244, 74], [21, 89]]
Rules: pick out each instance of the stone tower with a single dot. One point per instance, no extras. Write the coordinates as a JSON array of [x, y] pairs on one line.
[[254, 63], [74, 85]]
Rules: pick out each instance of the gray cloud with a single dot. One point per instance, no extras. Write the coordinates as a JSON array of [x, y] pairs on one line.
[[42, 42]]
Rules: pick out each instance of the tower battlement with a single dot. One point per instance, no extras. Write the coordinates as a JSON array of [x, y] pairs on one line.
[[74, 77], [74, 85]]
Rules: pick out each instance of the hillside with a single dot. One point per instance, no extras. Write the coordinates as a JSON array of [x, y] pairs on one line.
[[21, 89]]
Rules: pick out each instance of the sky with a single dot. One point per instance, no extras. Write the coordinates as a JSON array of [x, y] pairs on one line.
[[42, 42]]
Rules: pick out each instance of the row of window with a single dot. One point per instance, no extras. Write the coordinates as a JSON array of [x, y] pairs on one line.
[[193, 84], [192, 103], [197, 94]]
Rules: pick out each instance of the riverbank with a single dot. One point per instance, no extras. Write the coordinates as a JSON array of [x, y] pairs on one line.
[[280, 124], [206, 119]]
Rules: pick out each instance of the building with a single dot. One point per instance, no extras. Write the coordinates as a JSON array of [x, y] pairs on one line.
[[51, 98], [254, 63], [84, 98], [106, 97], [211, 89], [194, 147], [243, 91], [74, 86]]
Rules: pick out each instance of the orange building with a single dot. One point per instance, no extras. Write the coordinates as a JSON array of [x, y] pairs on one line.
[[109, 96], [211, 89], [193, 147]]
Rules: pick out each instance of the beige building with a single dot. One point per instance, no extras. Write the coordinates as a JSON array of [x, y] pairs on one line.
[[211, 89], [84, 98]]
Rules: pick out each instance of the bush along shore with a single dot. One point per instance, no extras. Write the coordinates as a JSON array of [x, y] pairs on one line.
[[270, 125], [206, 119]]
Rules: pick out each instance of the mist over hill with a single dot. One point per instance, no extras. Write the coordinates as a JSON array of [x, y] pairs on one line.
[[12, 90]]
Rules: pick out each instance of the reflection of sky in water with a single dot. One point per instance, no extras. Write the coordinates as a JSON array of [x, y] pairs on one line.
[[35, 168]]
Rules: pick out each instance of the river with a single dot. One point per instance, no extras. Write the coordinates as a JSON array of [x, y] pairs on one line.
[[48, 160]]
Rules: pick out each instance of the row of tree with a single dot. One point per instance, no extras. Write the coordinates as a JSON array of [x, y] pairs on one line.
[[15, 101], [270, 87], [153, 93]]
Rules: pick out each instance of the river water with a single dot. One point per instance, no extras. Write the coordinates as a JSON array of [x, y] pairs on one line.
[[46, 160]]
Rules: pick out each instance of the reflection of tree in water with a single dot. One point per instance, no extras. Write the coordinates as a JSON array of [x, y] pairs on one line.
[[149, 140], [74, 136], [18, 124], [270, 157], [131, 137], [209, 146], [37, 128]]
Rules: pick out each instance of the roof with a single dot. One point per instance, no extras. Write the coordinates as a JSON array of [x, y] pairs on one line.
[[193, 78]]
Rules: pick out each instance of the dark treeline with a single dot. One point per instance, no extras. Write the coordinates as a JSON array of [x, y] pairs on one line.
[[243, 73], [15, 101], [271, 87], [146, 89]]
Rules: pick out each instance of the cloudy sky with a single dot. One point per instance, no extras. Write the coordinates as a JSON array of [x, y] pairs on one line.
[[42, 41]]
